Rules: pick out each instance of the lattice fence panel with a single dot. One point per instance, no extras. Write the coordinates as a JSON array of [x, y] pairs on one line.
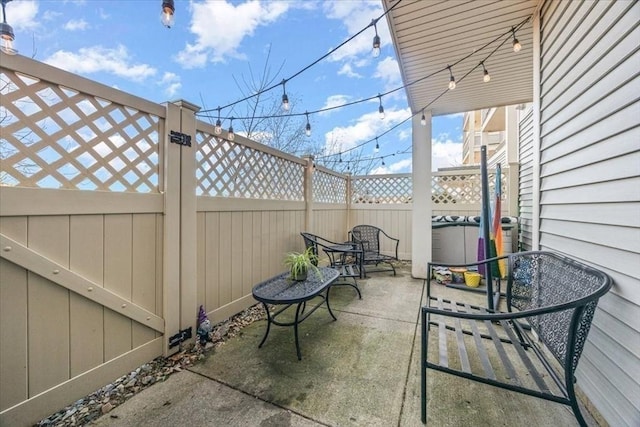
[[56, 137], [463, 188], [228, 169], [391, 189], [328, 188]]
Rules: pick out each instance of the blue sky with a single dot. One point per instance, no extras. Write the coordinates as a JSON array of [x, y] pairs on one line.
[[213, 44]]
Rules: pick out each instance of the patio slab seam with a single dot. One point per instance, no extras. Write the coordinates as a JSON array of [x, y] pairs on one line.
[[232, 387]]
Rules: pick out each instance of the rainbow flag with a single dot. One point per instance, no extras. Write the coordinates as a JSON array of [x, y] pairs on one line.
[[496, 229]]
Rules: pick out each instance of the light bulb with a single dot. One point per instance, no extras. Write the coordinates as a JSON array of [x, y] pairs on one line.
[[218, 128], [6, 39], [375, 150], [516, 45], [452, 80], [285, 102], [230, 133], [376, 46], [381, 112], [307, 129], [423, 120], [166, 17], [487, 77]]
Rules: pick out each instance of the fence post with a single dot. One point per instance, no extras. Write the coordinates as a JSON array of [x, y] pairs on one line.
[[349, 200], [179, 257], [308, 193]]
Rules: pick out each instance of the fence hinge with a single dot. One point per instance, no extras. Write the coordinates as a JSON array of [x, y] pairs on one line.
[[181, 336], [180, 138]]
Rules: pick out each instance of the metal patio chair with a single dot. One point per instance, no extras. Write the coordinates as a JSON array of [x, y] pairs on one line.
[[344, 257], [369, 239]]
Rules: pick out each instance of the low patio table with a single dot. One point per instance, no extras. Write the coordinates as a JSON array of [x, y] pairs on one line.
[[281, 290]]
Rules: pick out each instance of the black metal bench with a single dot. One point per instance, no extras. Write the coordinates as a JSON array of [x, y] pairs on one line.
[[534, 347]]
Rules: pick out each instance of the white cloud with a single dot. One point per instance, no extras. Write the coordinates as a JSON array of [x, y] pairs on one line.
[[221, 26], [388, 71], [355, 15], [347, 70], [366, 127], [22, 14], [76, 25], [445, 154], [401, 166], [334, 101], [171, 83], [50, 15], [100, 59]]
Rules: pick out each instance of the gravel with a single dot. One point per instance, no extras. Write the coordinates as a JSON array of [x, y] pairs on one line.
[[102, 401]]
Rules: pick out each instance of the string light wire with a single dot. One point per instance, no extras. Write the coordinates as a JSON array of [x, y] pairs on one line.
[[203, 113], [326, 55]]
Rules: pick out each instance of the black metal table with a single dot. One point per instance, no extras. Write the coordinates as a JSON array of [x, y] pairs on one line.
[[347, 259], [281, 290]]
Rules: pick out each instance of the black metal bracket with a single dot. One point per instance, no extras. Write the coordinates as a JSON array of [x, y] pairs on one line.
[[181, 336], [180, 138]]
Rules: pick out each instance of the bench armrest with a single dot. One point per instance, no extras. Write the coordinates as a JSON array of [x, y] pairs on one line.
[[486, 314]]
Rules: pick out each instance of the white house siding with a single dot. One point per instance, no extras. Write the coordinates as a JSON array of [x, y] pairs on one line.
[[590, 179], [525, 180]]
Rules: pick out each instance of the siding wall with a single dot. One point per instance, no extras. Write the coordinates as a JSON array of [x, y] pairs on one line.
[[590, 179], [525, 181]]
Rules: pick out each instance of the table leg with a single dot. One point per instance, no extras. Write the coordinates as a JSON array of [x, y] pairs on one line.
[[326, 298], [266, 308], [295, 327]]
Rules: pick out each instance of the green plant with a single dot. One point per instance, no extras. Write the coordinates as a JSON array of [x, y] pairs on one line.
[[299, 264]]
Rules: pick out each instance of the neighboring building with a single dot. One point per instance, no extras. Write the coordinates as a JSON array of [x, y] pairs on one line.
[[497, 128]]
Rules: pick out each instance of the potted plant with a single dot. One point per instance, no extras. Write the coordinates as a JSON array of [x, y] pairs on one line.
[[299, 264]]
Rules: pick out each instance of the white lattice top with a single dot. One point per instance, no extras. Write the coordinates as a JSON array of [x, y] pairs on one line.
[[229, 169], [55, 137], [329, 188], [382, 189], [461, 188]]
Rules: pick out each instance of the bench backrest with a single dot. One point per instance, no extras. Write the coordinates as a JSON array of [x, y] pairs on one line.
[[543, 279]]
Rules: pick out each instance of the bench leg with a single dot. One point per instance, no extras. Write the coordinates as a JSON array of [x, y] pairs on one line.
[[574, 405], [423, 368]]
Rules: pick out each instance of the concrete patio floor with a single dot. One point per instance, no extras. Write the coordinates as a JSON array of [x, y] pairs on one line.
[[361, 370]]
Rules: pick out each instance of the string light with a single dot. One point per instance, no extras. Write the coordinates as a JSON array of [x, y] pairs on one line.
[[423, 119], [380, 108], [448, 67], [326, 55], [285, 98], [444, 91], [376, 39], [307, 128], [230, 134], [383, 164], [6, 33], [509, 32], [452, 80], [486, 78], [375, 150], [516, 44], [218, 128], [166, 17]]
